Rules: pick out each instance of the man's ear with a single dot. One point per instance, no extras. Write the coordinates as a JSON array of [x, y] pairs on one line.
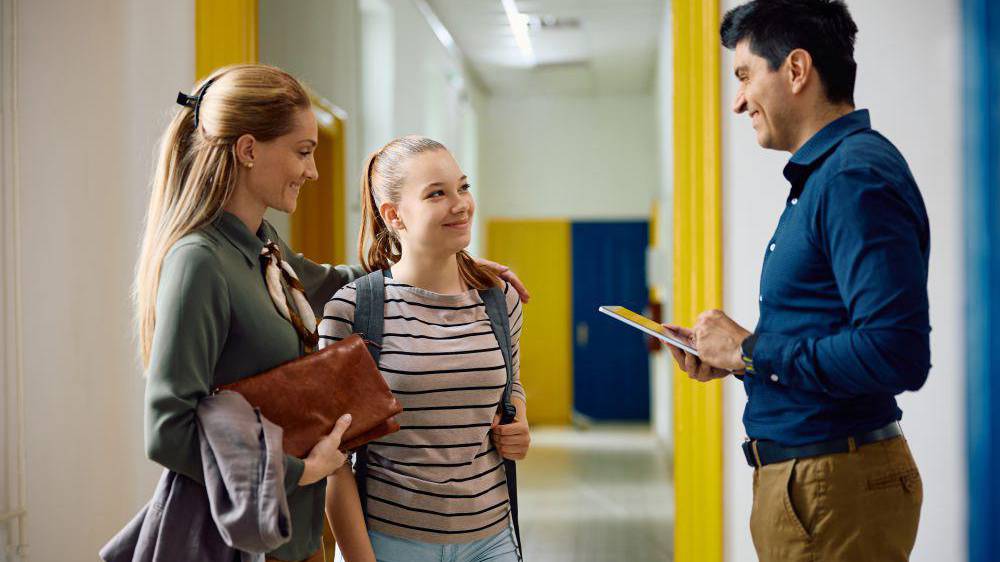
[[799, 65], [246, 147], [390, 215]]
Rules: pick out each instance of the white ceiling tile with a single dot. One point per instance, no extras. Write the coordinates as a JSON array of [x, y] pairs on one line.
[[612, 51]]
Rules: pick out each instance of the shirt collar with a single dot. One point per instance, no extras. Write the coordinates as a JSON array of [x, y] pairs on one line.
[[805, 159], [249, 244]]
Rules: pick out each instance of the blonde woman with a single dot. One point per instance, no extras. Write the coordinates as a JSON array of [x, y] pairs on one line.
[[243, 143], [436, 490]]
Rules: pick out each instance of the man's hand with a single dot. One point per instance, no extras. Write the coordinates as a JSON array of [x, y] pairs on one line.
[[506, 274], [691, 364], [718, 339]]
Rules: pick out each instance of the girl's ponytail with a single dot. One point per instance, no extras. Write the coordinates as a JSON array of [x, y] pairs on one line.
[[384, 248]]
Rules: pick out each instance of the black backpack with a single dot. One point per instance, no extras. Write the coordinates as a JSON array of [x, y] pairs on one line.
[[369, 319]]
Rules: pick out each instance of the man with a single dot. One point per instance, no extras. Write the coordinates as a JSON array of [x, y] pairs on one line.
[[843, 322]]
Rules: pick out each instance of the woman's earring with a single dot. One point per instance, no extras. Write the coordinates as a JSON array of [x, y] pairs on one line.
[[248, 164]]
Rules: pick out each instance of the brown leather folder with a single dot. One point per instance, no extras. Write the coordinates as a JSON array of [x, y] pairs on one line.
[[307, 396]]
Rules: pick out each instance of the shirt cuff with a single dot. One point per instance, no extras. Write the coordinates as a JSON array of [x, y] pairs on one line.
[[769, 357]]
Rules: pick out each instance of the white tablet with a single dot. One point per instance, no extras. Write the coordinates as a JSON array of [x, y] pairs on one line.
[[647, 325]]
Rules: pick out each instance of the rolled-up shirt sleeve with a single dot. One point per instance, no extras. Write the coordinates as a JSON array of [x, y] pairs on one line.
[[872, 239]]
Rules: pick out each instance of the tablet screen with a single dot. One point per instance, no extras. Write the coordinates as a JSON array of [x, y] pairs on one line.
[[647, 325]]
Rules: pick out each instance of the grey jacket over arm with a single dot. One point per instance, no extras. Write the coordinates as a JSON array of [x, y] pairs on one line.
[[239, 514]]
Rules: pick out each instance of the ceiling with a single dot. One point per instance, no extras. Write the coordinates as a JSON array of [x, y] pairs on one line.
[[611, 49]]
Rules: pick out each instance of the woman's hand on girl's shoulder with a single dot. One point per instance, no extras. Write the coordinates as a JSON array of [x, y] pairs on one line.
[[508, 275]]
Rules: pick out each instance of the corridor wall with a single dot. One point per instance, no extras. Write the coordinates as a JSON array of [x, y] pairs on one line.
[[97, 85]]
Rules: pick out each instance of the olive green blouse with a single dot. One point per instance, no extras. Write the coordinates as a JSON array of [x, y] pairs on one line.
[[215, 324]]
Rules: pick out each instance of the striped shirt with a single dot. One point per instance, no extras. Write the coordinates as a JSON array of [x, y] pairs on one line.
[[440, 478]]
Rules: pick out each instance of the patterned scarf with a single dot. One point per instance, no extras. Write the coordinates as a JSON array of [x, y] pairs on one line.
[[281, 281]]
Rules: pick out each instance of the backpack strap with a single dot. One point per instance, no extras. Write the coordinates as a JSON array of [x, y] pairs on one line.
[[369, 320], [369, 311], [496, 309]]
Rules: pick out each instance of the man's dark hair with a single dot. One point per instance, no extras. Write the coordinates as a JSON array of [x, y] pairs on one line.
[[775, 28]]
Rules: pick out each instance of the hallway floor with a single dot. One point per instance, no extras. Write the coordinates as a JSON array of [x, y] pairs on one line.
[[604, 494], [600, 495]]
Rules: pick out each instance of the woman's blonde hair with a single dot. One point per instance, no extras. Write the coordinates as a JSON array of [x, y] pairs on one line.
[[197, 167], [381, 181]]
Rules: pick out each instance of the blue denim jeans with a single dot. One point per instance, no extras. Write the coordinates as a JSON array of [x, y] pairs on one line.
[[498, 548]]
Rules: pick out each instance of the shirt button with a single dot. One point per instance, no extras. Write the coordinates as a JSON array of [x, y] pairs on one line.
[[761, 298], [772, 247], [774, 378], [795, 201]]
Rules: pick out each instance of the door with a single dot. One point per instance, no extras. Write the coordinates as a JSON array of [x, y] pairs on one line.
[[610, 360], [539, 251]]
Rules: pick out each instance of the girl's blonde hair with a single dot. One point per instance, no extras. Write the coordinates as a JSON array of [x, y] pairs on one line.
[[381, 181], [197, 167]]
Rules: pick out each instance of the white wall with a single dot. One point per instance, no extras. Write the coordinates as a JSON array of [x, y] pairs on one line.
[[97, 82], [661, 257], [11, 447], [412, 84], [909, 77], [569, 157]]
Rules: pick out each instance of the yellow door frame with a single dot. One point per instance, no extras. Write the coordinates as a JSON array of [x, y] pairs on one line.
[[225, 32], [698, 532], [317, 225]]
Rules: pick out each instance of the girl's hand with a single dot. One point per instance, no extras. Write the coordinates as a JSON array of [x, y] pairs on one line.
[[506, 274], [512, 439], [326, 457]]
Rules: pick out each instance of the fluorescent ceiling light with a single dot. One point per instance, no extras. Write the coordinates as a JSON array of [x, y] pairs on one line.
[[436, 25], [519, 25]]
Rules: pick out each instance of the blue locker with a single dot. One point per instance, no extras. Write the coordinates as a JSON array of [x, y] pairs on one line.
[[610, 360]]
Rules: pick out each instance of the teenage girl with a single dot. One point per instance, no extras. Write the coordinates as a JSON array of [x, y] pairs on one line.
[[437, 488]]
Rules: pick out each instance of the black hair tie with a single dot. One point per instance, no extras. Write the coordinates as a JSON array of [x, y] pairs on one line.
[[194, 102]]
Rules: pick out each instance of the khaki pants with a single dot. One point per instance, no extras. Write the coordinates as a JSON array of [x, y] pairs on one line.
[[856, 506]]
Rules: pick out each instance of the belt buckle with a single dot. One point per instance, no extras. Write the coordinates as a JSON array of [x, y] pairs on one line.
[[750, 452]]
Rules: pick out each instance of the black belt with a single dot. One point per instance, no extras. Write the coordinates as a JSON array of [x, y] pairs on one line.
[[760, 452]]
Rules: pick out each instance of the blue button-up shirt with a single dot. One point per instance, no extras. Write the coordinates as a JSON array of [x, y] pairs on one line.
[[843, 292]]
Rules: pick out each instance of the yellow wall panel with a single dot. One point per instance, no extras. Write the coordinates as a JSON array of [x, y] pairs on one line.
[[697, 274], [225, 32], [540, 252]]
